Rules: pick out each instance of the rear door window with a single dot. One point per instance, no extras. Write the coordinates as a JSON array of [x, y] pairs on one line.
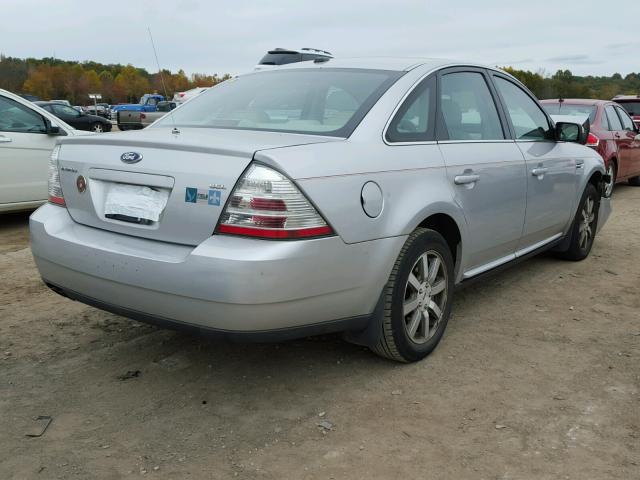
[[627, 123], [468, 109]]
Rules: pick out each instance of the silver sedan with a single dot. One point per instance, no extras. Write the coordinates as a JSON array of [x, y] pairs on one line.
[[347, 195]]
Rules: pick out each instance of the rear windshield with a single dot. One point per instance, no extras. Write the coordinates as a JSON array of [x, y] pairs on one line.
[[314, 101], [571, 109], [632, 108]]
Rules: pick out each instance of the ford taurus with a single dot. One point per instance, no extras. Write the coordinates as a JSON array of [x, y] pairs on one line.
[[347, 195]]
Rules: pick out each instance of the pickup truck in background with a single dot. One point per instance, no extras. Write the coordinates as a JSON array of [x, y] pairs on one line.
[[136, 119], [148, 103]]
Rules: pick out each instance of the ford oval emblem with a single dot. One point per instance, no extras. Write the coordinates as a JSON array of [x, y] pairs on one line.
[[131, 157]]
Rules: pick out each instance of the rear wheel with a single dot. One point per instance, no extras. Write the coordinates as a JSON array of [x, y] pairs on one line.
[[417, 298], [583, 230], [612, 171]]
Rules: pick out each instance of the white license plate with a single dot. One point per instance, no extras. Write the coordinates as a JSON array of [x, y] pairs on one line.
[[135, 201]]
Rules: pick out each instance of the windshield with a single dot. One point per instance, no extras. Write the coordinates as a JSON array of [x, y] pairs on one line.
[[317, 101], [632, 108], [571, 109]]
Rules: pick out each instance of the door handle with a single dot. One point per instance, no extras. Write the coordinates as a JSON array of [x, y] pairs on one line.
[[4, 139], [579, 163], [466, 179], [539, 171]]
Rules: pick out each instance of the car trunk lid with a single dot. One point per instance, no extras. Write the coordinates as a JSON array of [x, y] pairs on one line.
[[157, 184]]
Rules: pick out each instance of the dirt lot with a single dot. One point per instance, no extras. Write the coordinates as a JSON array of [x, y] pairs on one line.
[[537, 377]]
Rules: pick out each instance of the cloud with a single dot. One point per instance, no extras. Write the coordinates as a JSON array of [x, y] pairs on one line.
[[230, 36], [575, 60]]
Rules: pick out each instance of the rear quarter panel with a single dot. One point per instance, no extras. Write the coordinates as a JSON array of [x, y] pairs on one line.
[[412, 179]]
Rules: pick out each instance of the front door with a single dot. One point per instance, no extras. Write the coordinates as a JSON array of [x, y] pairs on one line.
[[550, 167], [24, 153], [628, 146]]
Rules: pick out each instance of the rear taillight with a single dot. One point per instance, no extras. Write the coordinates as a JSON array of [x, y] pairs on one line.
[[55, 190], [266, 204], [592, 140], [181, 94]]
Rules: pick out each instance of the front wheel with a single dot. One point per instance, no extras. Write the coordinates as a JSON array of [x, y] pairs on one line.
[[417, 298], [583, 230], [97, 127], [612, 171]]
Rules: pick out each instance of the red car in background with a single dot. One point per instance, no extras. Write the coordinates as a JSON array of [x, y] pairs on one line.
[[613, 135], [631, 103]]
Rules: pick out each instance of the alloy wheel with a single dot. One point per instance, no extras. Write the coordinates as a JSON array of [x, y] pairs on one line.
[[98, 128], [425, 297], [585, 230], [611, 171]]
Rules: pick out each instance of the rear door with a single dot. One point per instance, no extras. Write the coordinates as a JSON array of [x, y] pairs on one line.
[[484, 166], [551, 167], [615, 126], [24, 153], [629, 146]]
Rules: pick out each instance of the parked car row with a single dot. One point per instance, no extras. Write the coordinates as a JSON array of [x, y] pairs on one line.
[[77, 119], [345, 195]]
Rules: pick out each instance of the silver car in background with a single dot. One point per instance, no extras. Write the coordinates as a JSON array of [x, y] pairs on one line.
[[350, 195]]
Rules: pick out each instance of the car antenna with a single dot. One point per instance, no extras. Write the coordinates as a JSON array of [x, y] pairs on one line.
[[164, 87]]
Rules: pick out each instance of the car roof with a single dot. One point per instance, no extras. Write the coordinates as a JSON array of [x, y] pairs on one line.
[[381, 63], [624, 98], [577, 101]]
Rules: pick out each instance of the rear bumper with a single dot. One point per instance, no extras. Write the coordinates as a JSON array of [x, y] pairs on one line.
[[226, 284]]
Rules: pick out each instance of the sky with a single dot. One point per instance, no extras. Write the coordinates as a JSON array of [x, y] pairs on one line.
[[224, 36]]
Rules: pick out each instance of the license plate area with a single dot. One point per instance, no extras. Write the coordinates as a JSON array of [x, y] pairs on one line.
[[137, 204]]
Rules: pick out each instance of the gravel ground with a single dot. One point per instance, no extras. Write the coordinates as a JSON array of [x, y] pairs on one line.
[[537, 377]]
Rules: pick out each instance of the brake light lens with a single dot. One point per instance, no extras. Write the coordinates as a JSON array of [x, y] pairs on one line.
[[266, 204], [592, 140], [55, 189]]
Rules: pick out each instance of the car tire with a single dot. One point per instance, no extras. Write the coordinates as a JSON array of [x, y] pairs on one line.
[[612, 171], [635, 181], [422, 277], [97, 127], [585, 223]]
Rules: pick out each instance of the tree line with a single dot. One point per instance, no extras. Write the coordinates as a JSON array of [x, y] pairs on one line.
[[51, 78], [563, 84]]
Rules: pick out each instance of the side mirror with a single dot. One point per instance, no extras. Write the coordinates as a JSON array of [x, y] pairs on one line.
[[571, 132], [51, 129]]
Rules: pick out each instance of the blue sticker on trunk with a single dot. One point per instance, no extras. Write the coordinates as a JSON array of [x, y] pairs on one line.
[[197, 195], [214, 197], [191, 195]]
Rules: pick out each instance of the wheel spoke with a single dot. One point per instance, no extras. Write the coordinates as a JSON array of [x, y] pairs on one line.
[[424, 320], [434, 268], [410, 305], [438, 287], [414, 323], [583, 238], [433, 306], [414, 282], [424, 263]]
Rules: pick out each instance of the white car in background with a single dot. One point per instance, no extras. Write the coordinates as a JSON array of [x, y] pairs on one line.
[[283, 56], [27, 136], [181, 97]]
